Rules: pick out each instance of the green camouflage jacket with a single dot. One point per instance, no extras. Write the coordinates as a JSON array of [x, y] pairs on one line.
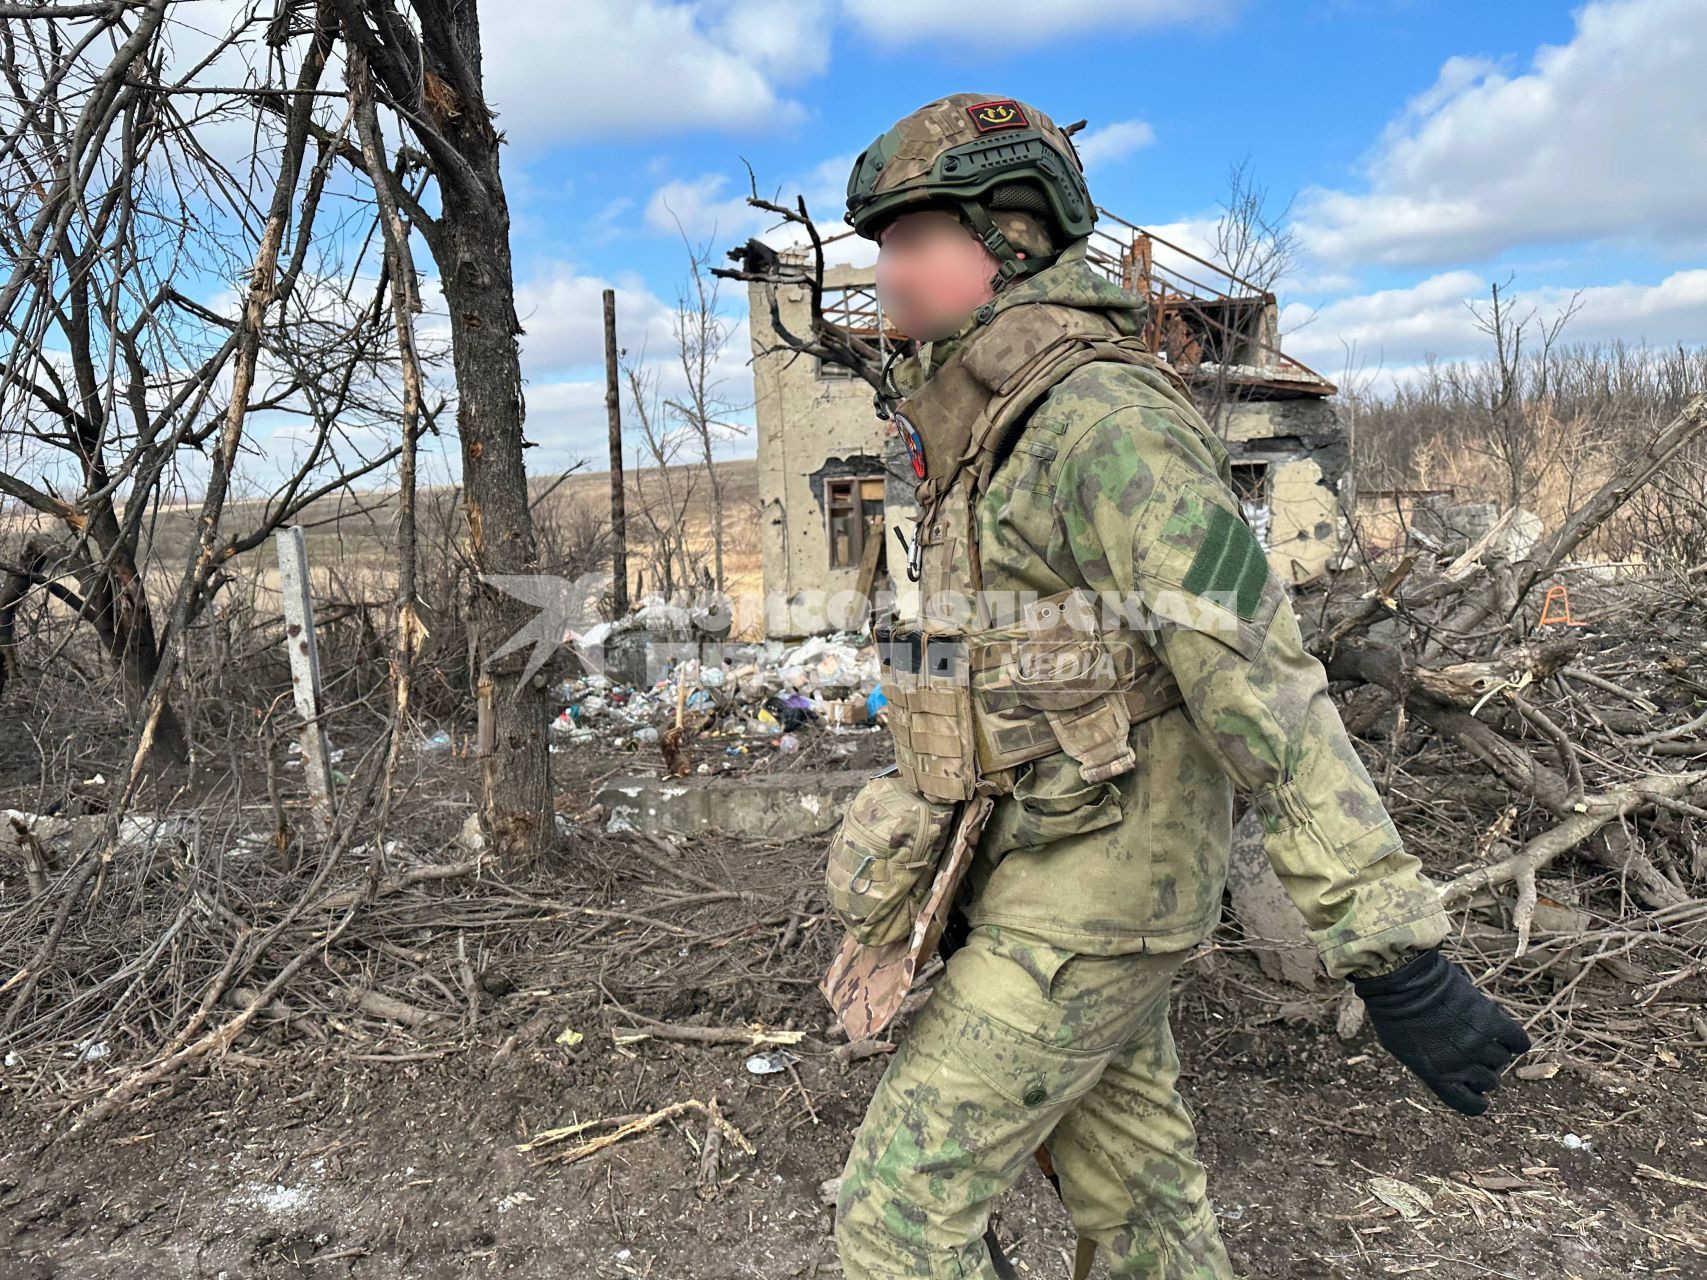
[[1116, 483]]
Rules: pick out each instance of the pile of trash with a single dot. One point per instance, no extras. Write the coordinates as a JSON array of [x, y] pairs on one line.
[[765, 694], [622, 647]]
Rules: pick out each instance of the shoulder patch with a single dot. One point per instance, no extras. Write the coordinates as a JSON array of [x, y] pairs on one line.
[[1229, 562], [1199, 548]]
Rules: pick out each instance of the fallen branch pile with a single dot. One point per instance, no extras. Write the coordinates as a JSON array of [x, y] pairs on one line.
[[146, 960], [1552, 776]]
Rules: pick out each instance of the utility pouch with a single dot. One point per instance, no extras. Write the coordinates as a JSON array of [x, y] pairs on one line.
[[884, 857], [1052, 684], [930, 710]]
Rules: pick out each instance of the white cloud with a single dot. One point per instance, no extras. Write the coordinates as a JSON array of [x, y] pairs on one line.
[[1194, 235], [704, 206], [1599, 138], [1319, 280], [563, 355], [1105, 145], [567, 418], [562, 314], [997, 23], [783, 38], [627, 68], [1173, 245], [712, 205], [1400, 327], [825, 189], [1401, 324]]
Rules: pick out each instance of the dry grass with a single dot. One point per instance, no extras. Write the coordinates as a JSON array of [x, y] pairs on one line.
[[351, 536]]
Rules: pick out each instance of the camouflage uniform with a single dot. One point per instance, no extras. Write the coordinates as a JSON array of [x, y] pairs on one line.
[[1118, 484], [1050, 1025]]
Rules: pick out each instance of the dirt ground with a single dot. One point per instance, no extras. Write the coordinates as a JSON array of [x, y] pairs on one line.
[[350, 1145]]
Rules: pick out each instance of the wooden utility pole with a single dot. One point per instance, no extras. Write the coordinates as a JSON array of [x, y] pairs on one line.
[[618, 520]]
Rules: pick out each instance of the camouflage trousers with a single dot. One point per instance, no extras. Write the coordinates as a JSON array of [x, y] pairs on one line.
[[1023, 1043]]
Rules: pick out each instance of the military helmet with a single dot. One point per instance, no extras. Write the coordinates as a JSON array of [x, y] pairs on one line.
[[973, 154]]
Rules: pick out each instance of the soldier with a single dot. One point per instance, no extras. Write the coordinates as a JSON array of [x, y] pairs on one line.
[[1082, 819]]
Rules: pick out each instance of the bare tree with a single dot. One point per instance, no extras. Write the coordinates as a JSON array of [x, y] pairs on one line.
[[1255, 245], [1510, 433], [425, 60], [664, 486], [1252, 240], [824, 339], [405, 303], [702, 338], [116, 384]]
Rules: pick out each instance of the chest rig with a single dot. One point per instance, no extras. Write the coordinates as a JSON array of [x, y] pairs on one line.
[[976, 687], [971, 696]]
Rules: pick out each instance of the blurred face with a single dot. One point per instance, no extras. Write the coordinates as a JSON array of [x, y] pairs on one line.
[[931, 273]]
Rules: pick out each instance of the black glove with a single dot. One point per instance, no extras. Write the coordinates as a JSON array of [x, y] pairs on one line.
[[1430, 1016]]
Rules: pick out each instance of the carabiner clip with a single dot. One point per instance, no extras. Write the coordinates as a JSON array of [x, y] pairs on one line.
[[887, 392], [913, 551]]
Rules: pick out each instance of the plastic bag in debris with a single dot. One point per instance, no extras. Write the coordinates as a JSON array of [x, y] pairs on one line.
[[568, 725], [764, 688], [791, 711], [712, 615], [596, 634], [830, 662], [755, 685], [766, 1064], [664, 619]]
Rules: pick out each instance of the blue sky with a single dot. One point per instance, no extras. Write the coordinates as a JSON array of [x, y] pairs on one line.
[[1428, 147]]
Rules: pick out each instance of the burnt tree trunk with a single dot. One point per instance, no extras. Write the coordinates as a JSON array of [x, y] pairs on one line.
[[434, 81], [479, 290]]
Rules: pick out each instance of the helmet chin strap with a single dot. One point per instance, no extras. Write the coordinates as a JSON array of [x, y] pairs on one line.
[[977, 220]]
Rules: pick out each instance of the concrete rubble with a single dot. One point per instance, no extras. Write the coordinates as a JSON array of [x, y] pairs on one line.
[[763, 806], [1452, 528]]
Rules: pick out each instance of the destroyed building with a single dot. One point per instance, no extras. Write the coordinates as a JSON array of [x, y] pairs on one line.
[[834, 480]]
